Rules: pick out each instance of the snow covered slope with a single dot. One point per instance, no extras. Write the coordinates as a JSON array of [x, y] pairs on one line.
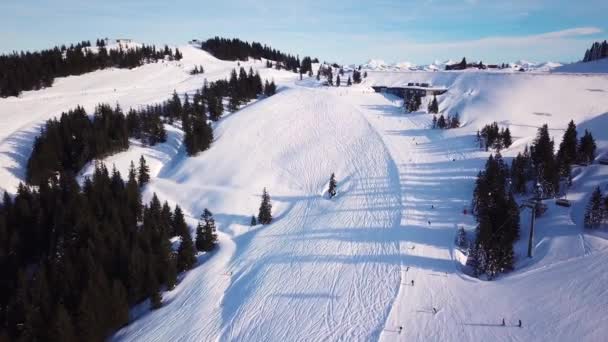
[[599, 66], [330, 270], [22, 116], [342, 269], [308, 276], [555, 294]]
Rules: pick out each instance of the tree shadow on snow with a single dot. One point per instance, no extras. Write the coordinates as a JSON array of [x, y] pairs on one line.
[[21, 145]]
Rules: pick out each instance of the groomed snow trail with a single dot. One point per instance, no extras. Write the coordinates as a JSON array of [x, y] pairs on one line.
[[325, 270], [552, 293]]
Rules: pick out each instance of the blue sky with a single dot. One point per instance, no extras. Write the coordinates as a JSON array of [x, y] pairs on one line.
[[344, 31]]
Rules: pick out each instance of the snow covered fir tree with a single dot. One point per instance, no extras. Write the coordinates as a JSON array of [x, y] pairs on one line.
[[332, 186], [265, 212], [497, 215], [596, 211]]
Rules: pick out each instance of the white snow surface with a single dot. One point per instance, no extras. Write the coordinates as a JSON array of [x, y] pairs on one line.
[[341, 269], [599, 66]]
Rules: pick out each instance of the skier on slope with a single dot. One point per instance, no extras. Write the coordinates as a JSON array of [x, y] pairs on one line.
[[519, 323], [412, 282], [400, 329], [503, 322]]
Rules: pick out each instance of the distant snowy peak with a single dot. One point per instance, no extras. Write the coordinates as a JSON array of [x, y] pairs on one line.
[[375, 64], [531, 66], [404, 65], [548, 66], [379, 64]]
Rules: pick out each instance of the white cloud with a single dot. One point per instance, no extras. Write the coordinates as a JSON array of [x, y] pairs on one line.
[[562, 46], [556, 45]]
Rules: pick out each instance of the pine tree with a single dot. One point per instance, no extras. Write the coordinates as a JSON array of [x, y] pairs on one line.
[[519, 173], [156, 299], [200, 237], [172, 271], [356, 77], [566, 154], [594, 213], [178, 222], [265, 213], [586, 148], [209, 238], [62, 328], [413, 103], [233, 104], [332, 186], [544, 162], [270, 88], [497, 215], [144, 172], [441, 123], [461, 238], [119, 306], [454, 121], [175, 107], [506, 138], [133, 194], [186, 253], [433, 106]]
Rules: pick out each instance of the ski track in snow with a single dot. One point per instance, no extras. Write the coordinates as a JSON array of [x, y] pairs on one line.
[[341, 269], [320, 258]]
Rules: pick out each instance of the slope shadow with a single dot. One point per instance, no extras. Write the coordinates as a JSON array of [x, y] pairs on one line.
[[21, 145]]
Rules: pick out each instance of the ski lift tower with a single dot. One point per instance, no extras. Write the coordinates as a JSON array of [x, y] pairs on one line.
[[533, 204]]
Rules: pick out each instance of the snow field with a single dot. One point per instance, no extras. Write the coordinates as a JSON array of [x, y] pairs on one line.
[[341, 269]]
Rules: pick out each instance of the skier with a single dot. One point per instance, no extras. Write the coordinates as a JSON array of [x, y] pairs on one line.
[[400, 328], [503, 322], [432, 206], [429, 223], [434, 310], [519, 325], [412, 282]]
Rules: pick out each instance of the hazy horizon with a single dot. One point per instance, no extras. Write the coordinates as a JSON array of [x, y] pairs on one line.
[[342, 31]]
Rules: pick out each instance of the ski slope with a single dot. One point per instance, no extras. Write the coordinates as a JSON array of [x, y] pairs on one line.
[[23, 116], [307, 276], [551, 294], [342, 269]]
